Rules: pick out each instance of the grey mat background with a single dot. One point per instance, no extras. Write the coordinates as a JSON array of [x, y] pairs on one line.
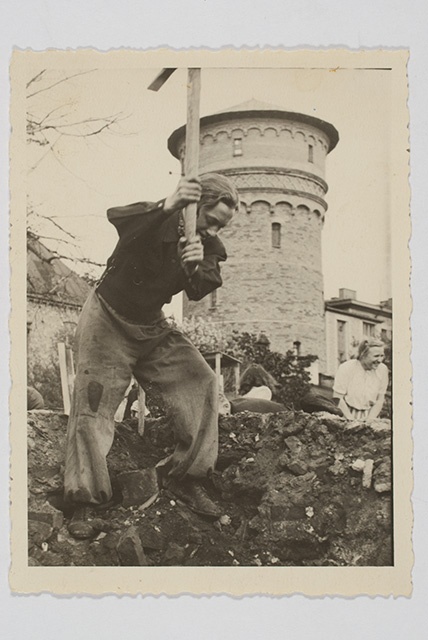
[[41, 24]]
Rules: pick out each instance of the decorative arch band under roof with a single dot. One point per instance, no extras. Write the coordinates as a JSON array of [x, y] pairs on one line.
[[254, 109]]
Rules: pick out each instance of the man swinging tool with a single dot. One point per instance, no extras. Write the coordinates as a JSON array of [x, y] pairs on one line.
[[122, 332]]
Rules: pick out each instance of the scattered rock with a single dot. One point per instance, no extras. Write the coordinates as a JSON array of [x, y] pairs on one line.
[[288, 483], [337, 468], [293, 444], [382, 487], [151, 537], [196, 537], [381, 424], [42, 511], [138, 487], [130, 550], [358, 465], [174, 554], [367, 473], [38, 533], [382, 477], [297, 467]]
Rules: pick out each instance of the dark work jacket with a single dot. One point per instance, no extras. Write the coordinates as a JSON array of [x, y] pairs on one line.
[[144, 271]]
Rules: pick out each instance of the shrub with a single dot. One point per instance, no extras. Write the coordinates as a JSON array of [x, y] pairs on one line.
[[289, 370]]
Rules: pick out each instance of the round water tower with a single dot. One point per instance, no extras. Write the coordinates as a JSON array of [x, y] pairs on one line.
[[273, 281]]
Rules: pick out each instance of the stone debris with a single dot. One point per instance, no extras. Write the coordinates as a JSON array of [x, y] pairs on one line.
[[288, 485], [130, 550], [358, 465], [367, 473], [174, 554], [382, 487], [382, 481], [150, 537], [100, 536], [38, 533], [138, 487], [337, 468]]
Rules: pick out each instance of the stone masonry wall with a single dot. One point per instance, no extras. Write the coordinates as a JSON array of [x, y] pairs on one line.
[[49, 324], [275, 290], [278, 167], [265, 141]]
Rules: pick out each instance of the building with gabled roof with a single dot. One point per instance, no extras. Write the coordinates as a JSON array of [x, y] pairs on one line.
[[55, 296]]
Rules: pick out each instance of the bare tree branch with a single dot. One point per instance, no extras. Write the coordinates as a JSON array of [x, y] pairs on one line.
[[107, 123], [81, 73], [53, 111], [56, 255], [86, 215], [36, 78], [49, 149], [42, 236], [57, 158], [56, 224], [46, 126]]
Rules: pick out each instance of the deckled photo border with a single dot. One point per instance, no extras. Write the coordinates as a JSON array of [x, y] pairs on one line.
[[346, 581]]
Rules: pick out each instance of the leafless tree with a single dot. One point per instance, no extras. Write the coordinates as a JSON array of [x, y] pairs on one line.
[[46, 128]]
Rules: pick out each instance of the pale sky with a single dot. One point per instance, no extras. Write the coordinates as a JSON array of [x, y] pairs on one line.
[[88, 175]]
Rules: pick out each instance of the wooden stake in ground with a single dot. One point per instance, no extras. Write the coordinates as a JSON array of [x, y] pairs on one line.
[[141, 410], [66, 367], [191, 161]]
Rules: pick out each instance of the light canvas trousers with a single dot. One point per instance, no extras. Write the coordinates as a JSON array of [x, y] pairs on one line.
[[107, 356]]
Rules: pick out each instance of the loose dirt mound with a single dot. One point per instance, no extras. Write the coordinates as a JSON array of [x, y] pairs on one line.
[[295, 489]]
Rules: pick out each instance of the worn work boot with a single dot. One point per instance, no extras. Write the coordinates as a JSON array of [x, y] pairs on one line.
[[79, 527], [193, 495]]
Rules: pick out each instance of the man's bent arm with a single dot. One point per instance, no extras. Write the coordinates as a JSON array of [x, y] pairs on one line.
[[133, 221], [205, 279]]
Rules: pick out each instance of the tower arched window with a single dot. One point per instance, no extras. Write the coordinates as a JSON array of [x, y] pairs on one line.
[[237, 146], [310, 153], [276, 235]]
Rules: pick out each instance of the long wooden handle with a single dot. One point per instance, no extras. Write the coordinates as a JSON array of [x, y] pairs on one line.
[[191, 161]]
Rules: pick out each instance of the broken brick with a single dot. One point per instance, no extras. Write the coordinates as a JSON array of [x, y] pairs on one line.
[[130, 550], [138, 486]]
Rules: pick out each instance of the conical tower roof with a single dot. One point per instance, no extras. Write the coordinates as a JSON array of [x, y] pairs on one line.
[[251, 105]]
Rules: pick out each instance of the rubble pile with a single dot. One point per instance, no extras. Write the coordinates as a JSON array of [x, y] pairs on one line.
[[295, 490]]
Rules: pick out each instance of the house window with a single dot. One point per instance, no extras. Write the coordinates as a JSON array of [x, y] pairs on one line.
[[276, 235], [310, 153], [237, 146], [368, 329], [341, 341]]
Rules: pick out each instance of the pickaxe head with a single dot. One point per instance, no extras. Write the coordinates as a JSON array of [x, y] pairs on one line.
[[160, 79]]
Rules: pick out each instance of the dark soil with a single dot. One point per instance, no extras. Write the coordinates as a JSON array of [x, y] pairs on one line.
[[295, 490]]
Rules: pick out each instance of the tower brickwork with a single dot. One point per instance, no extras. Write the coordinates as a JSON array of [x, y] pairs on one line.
[[273, 279]]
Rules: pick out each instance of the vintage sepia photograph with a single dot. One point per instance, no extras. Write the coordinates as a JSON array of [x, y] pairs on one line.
[[210, 322]]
